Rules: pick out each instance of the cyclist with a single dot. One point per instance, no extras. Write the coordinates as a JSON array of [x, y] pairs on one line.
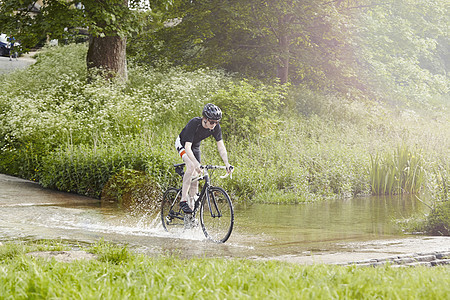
[[188, 146]]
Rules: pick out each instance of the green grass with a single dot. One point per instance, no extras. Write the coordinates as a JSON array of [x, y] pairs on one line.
[[127, 275]]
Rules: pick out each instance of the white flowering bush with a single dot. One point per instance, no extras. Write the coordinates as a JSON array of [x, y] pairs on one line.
[[294, 145], [56, 125]]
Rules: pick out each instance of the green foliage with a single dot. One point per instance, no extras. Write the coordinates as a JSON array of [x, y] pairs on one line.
[[438, 221], [121, 274], [394, 52], [171, 96], [248, 109], [398, 173], [85, 170], [12, 250], [111, 253], [73, 135], [406, 49], [438, 183], [62, 19], [133, 189]]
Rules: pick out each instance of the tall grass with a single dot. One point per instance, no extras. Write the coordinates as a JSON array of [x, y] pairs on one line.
[[401, 172], [119, 273]]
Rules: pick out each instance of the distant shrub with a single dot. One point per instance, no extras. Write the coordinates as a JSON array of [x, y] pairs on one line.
[[85, 170], [438, 221], [171, 96], [249, 109]]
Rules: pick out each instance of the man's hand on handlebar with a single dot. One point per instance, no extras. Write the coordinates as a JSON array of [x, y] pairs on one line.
[[198, 169], [230, 168]]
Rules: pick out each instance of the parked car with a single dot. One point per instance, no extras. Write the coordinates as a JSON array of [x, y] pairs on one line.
[[4, 49], [4, 45]]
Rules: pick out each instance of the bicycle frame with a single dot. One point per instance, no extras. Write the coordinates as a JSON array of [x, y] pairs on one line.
[[204, 193]]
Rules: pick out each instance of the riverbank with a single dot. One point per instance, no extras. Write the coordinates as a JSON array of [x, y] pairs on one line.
[[75, 135]]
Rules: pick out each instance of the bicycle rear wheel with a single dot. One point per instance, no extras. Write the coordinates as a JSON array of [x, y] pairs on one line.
[[172, 216], [216, 215]]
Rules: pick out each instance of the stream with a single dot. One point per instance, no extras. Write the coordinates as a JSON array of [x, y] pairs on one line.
[[324, 232]]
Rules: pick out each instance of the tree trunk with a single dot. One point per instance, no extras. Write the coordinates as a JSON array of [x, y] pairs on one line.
[[109, 55], [283, 63], [283, 43]]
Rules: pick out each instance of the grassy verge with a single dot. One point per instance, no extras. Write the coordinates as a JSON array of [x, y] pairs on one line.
[[119, 273]]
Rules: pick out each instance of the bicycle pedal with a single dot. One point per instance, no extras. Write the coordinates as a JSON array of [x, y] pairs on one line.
[[190, 222]]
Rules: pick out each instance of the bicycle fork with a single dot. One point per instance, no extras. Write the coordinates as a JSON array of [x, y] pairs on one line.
[[213, 206]]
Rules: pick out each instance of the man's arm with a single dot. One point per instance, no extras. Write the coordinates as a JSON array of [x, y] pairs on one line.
[[223, 154]]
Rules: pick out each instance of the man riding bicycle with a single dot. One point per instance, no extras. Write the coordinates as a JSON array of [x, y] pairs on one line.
[[188, 146]]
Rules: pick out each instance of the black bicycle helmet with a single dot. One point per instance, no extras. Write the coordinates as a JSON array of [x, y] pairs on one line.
[[212, 112]]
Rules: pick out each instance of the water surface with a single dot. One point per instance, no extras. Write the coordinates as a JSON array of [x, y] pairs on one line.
[[261, 230]]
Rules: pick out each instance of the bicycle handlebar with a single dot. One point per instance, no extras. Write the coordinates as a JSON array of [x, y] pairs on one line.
[[207, 167], [211, 167]]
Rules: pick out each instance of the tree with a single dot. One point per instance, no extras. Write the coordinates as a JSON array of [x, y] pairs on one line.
[[296, 41], [405, 45], [108, 22], [353, 47]]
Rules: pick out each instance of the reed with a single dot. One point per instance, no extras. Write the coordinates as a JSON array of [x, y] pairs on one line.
[[397, 173]]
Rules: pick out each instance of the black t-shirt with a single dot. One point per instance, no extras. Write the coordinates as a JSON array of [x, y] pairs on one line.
[[194, 132]]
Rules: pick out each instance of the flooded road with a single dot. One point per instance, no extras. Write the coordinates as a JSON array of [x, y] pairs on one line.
[[329, 232]]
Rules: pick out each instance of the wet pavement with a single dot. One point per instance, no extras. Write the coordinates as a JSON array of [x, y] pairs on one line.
[[28, 211]]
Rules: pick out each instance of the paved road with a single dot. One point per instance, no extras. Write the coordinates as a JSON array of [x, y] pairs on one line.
[[7, 66]]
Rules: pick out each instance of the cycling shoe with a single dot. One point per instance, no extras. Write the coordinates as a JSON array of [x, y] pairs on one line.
[[185, 207]]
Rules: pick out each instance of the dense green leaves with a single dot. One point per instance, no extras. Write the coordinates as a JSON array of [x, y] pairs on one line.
[[405, 45], [391, 50]]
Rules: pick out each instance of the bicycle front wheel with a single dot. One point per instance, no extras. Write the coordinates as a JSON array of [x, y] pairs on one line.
[[172, 216], [216, 215]]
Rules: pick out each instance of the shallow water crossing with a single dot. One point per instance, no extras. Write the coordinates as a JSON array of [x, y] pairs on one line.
[[332, 231]]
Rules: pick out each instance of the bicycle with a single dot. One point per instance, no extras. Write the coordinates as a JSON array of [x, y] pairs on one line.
[[213, 204]]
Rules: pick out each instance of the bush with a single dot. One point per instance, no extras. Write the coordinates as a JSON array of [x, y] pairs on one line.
[[438, 221], [85, 170], [248, 109]]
